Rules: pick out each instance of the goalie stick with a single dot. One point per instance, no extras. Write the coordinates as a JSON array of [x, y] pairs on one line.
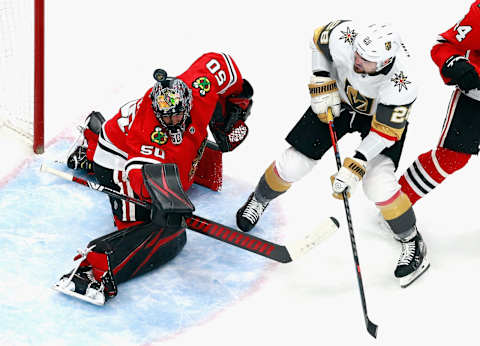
[[226, 234]]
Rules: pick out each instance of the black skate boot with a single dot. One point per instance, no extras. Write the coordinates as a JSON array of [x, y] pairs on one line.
[[249, 214], [78, 160], [77, 157], [413, 261]]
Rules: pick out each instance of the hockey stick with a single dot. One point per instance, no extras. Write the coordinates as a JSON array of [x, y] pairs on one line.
[[371, 327], [265, 248]]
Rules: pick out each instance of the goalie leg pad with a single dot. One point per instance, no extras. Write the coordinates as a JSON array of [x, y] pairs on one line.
[[122, 255]]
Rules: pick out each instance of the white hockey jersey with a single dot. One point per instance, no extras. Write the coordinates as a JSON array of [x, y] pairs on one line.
[[386, 95]]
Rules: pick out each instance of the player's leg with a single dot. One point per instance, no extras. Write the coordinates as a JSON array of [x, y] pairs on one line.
[[81, 155], [125, 214], [122, 255], [380, 186], [459, 140], [309, 140]]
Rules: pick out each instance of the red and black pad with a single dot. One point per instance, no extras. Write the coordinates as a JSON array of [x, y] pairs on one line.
[[170, 203], [122, 255], [209, 171]]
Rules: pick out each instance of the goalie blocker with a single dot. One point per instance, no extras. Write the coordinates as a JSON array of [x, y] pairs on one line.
[[122, 255]]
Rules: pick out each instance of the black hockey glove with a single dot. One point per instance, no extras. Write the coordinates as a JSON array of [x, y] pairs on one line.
[[229, 128], [461, 73]]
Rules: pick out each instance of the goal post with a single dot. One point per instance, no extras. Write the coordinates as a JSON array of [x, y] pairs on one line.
[[39, 83]]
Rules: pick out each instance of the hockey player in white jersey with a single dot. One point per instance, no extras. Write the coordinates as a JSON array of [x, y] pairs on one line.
[[360, 74]]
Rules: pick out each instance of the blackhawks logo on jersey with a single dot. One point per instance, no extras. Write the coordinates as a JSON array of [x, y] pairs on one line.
[[348, 36], [158, 136], [400, 81], [203, 84]]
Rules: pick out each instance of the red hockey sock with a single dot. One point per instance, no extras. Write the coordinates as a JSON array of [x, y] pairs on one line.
[[429, 170]]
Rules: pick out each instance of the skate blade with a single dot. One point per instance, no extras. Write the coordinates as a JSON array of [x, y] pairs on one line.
[[59, 288], [407, 280]]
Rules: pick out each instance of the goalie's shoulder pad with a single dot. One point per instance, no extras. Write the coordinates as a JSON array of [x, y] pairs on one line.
[[322, 37]]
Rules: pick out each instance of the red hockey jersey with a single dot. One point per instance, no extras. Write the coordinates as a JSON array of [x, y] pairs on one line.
[[139, 136], [461, 39]]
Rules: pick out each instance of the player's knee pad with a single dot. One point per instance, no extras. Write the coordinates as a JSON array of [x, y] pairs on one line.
[[122, 255], [379, 182], [279, 176], [293, 165]]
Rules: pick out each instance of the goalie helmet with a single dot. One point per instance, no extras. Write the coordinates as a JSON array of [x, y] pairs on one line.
[[171, 103], [378, 43]]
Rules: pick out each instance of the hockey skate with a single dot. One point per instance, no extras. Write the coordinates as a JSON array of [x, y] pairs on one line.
[[77, 157], [249, 214], [78, 160], [413, 260], [80, 283]]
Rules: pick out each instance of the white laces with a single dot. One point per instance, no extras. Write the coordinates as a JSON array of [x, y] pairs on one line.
[[253, 210], [408, 252]]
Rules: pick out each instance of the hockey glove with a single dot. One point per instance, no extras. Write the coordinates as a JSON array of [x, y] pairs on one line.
[[347, 177], [462, 73], [228, 127], [324, 93]]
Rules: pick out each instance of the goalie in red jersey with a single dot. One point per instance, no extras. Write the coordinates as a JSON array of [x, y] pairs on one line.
[[457, 54], [152, 149]]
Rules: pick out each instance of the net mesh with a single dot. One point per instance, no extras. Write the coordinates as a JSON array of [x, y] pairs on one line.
[[17, 67]]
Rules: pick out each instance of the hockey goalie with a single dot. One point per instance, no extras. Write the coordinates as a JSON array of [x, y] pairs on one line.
[[154, 149]]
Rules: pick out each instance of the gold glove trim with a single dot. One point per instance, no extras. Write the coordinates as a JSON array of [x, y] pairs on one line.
[[323, 88], [355, 167]]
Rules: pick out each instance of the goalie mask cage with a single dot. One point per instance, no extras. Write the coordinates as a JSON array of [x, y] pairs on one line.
[[22, 69]]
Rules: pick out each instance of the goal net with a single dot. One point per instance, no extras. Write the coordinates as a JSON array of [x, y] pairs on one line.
[[21, 70]]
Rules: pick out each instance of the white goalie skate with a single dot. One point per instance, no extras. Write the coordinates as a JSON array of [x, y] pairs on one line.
[[80, 283]]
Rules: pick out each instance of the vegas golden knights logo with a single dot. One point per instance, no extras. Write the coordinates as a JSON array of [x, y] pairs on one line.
[[360, 103], [388, 45]]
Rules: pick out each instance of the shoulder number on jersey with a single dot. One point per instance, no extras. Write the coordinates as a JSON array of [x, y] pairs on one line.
[[325, 35], [462, 31], [215, 68]]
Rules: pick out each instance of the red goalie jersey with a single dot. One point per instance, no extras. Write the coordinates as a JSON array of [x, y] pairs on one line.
[[462, 39], [141, 139]]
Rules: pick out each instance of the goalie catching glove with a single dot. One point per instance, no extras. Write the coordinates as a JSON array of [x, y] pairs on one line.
[[228, 121], [348, 176], [324, 93]]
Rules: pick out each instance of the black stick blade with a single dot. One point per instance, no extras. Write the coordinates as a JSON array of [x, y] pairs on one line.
[[372, 328]]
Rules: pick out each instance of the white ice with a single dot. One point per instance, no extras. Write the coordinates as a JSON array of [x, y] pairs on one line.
[[101, 54]]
